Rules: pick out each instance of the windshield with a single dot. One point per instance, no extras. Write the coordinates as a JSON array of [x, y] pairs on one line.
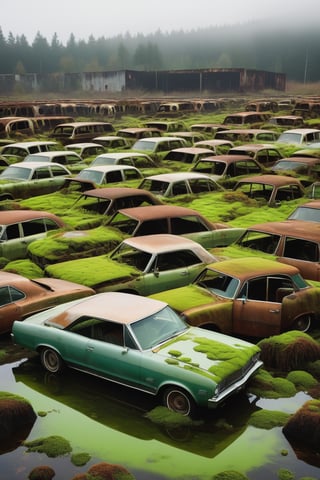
[[306, 213], [92, 175], [16, 173], [218, 283], [143, 145], [158, 328]]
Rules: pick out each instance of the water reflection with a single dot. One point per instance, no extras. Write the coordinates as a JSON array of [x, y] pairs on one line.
[[123, 410]]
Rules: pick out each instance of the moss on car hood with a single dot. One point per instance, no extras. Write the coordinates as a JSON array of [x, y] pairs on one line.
[[184, 298], [92, 271], [215, 356]]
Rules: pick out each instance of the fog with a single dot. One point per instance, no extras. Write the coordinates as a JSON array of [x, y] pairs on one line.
[[103, 18]]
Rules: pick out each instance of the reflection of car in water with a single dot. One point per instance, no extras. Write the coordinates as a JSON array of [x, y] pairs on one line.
[[123, 413]]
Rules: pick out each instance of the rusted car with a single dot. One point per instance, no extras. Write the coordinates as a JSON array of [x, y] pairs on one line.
[[247, 296], [226, 169], [246, 118], [176, 220], [272, 189], [187, 155], [307, 169], [295, 243], [263, 153], [247, 135], [18, 228], [21, 297], [309, 212], [109, 200]]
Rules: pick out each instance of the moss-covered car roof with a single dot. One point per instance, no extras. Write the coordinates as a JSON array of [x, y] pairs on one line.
[[247, 267], [290, 228]]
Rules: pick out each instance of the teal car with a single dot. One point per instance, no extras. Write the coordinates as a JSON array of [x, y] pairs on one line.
[[143, 344]]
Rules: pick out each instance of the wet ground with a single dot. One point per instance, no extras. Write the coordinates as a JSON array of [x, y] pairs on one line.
[[109, 423]]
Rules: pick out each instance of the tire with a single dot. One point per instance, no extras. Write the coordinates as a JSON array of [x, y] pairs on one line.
[[178, 400], [302, 323], [51, 360]]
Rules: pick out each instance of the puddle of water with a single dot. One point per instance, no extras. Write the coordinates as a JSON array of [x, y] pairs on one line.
[[109, 423]]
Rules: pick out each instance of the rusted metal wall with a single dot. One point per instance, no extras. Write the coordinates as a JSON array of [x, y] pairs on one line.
[[166, 81]]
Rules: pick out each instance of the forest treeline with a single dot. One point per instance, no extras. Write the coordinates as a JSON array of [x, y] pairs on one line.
[[272, 47]]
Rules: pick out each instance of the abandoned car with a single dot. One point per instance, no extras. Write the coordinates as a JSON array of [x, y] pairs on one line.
[[141, 343]]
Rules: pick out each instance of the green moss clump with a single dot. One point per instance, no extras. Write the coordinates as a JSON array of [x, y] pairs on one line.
[[172, 361], [289, 351], [80, 459], [164, 416], [26, 268], [228, 358], [268, 419], [284, 474], [302, 380], [92, 271], [264, 385], [230, 475], [314, 368], [175, 353], [53, 446]]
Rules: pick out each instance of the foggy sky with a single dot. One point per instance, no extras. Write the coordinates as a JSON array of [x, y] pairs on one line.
[[108, 18]]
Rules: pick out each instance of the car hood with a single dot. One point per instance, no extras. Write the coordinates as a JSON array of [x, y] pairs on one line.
[[191, 296], [56, 285], [212, 354]]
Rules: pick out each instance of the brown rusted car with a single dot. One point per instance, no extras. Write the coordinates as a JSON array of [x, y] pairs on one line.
[[21, 297], [173, 219], [272, 189], [296, 243], [247, 296]]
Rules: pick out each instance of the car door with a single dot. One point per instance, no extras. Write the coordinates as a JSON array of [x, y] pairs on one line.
[[256, 310], [170, 270], [12, 245], [9, 310]]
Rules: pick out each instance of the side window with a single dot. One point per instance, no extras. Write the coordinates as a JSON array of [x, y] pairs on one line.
[[11, 232], [50, 224], [9, 294], [97, 329], [113, 177], [179, 188], [257, 289], [41, 173], [301, 249], [179, 226], [32, 227], [151, 227], [131, 174], [56, 171]]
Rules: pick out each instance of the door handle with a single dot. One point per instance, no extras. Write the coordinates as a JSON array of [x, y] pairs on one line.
[[274, 311], [90, 349]]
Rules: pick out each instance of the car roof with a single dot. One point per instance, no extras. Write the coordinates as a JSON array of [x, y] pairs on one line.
[[227, 158], [151, 212], [8, 277], [30, 144], [165, 242], [53, 153], [8, 217], [81, 145], [245, 267], [194, 150], [110, 168], [312, 204], [119, 307], [301, 130], [276, 180], [297, 228], [253, 147], [177, 176], [118, 192], [37, 164], [121, 155], [158, 139]]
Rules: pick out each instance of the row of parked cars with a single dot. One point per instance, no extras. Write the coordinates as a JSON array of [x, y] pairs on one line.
[[158, 309]]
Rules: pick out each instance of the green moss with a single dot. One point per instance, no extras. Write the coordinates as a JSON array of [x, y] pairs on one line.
[[314, 368], [175, 353], [230, 475], [71, 245], [26, 268], [164, 416], [268, 419], [172, 361], [185, 359], [284, 474], [264, 385], [184, 298], [92, 271], [53, 446], [12, 396], [302, 380], [80, 459], [289, 351], [229, 358]]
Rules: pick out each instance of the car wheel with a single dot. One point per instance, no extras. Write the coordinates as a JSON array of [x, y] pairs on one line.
[[302, 323], [51, 360], [178, 401]]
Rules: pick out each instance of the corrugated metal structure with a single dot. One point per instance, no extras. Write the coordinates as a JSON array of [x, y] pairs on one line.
[[165, 81]]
